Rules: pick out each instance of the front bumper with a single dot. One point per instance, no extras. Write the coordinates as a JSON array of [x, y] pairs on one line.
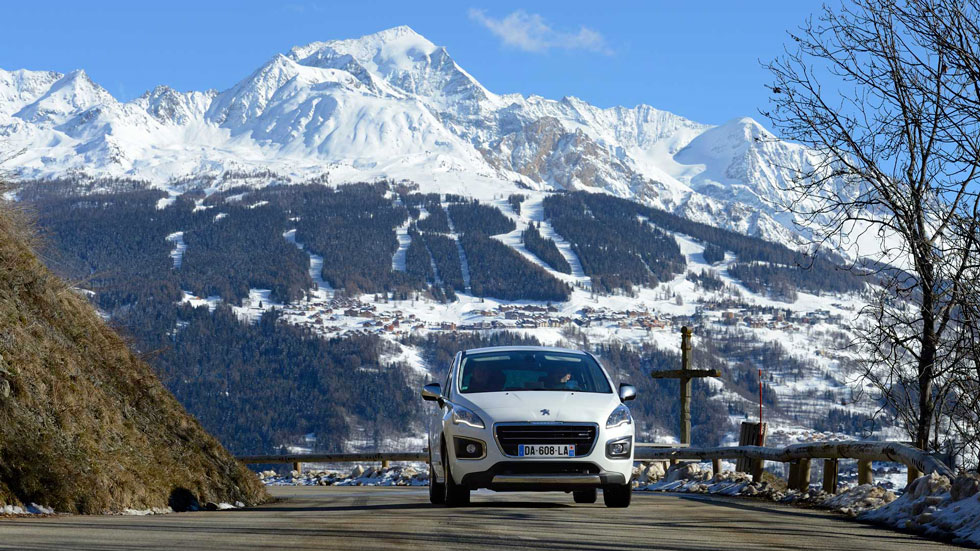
[[501, 472], [542, 476]]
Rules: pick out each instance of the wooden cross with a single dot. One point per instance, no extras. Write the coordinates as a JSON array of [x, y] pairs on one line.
[[685, 374]]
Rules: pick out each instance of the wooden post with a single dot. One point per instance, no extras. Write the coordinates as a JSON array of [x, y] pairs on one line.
[[298, 467], [913, 474], [684, 375], [685, 386], [749, 436], [803, 476], [830, 476], [865, 476], [716, 467]]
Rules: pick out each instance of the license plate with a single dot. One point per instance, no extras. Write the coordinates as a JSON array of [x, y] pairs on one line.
[[546, 450]]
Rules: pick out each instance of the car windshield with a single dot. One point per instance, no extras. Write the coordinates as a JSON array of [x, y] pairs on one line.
[[531, 370]]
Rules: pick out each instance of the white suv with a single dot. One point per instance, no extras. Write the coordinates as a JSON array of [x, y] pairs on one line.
[[530, 418]]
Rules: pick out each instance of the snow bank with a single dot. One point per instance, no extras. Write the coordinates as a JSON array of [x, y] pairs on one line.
[[32, 509], [932, 505], [935, 506], [859, 499], [696, 478], [358, 476]]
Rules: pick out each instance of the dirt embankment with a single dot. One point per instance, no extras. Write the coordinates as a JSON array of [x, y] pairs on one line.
[[85, 425]]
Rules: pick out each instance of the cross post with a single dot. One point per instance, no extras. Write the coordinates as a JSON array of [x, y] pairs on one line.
[[684, 375]]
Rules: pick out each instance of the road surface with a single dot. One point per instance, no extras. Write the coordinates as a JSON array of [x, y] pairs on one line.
[[401, 518]]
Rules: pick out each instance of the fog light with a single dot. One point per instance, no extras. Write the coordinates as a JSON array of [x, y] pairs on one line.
[[469, 448], [619, 448]]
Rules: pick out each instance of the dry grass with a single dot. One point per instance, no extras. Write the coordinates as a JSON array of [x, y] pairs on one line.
[[85, 426]]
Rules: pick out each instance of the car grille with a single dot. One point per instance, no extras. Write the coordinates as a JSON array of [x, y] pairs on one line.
[[582, 436]]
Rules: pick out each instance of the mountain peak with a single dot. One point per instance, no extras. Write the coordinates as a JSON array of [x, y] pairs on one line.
[[69, 95], [394, 32], [401, 41]]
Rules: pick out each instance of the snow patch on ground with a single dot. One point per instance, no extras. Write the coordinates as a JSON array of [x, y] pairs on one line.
[[252, 308], [409, 355], [402, 475], [32, 509], [146, 512], [196, 301], [322, 289], [177, 254], [935, 506], [165, 202], [404, 240]]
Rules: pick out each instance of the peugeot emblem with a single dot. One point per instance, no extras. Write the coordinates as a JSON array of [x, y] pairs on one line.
[[545, 412]]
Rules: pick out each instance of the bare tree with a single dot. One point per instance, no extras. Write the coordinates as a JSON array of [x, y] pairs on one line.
[[886, 94]]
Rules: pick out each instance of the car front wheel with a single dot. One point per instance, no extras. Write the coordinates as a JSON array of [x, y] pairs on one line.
[[437, 493], [617, 495], [454, 495]]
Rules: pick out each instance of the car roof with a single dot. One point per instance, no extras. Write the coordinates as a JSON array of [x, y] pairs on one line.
[[522, 348]]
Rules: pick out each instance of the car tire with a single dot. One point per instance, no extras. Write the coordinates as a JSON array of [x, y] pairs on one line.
[[454, 495], [585, 496], [437, 493], [617, 495]]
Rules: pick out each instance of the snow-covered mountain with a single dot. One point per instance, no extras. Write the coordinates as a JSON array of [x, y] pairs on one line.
[[394, 105]]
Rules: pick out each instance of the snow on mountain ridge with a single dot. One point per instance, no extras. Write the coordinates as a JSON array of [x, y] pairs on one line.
[[393, 104]]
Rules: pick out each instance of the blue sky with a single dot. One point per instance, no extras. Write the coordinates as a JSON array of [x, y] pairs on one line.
[[697, 59]]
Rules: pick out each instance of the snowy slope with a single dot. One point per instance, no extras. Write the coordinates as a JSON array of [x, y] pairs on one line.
[[394, 105]]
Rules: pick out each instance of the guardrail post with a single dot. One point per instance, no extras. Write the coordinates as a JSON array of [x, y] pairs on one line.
[[716, 467], [865, 476], [384, 463], [298, 467], [749, 436], [803, 476], [913, 474], [830, 476]]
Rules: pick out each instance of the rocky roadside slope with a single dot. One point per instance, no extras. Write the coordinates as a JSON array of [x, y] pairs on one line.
[[85, 425]]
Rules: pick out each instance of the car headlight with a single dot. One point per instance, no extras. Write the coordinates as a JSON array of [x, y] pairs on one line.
[[463, 416], [619, 416]]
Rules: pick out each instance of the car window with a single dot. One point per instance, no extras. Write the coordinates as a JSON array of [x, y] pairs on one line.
[[531, 370], [449, 377]]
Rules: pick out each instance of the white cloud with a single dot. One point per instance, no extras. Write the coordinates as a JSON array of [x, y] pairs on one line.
[[531, 33]]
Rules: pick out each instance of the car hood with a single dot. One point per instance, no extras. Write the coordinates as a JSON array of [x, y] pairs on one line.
[[543, 406]]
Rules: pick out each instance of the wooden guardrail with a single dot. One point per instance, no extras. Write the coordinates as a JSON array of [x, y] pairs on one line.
[[799, 457], [370, 457]]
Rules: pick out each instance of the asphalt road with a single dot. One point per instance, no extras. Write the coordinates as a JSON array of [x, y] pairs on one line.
[[401, 518]]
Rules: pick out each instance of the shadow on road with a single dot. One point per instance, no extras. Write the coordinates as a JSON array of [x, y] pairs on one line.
[[408, 506], [788, 510]]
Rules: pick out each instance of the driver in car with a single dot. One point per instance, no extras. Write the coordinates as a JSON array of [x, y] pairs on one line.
[[561, 379], [481, 379]]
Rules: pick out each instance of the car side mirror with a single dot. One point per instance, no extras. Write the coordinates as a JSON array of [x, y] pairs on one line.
[[432, 392], [627, 392]]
